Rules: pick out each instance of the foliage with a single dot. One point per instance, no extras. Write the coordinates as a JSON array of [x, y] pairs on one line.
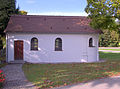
[[2, 78], [3, 64], [22, 12], [3, 41], [109, 39], [1, 44], [7, 8], [55, 75], [104, 14], [3, 57], [3, 52]]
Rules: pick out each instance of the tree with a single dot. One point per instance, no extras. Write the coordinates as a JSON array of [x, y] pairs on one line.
[[1, 44], [20, 12], [104, 14], [109, 38], [7, 8]]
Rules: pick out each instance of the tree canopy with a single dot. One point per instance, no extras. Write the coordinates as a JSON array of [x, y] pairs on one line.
[[7, 8], [105, 14], [22, 12]]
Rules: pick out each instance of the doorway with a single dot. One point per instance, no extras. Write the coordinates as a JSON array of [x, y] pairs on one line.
[[18, 50]]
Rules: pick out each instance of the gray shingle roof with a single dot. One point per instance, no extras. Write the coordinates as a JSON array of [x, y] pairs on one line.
[[50, 24]]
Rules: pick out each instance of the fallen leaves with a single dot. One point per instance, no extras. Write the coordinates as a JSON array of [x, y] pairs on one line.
[[54, 75]]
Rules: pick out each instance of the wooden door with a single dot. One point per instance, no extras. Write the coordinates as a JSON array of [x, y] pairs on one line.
[[18, 50]]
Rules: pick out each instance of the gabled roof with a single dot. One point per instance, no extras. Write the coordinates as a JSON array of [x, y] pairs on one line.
[[50, 24]]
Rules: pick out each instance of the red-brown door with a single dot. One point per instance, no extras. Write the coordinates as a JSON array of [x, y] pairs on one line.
[[18, 50]]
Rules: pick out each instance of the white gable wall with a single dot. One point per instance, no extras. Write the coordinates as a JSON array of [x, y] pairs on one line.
[[75, 48]]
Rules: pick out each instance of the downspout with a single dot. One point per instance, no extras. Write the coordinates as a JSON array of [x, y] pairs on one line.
[[6, 47], [98, 48]]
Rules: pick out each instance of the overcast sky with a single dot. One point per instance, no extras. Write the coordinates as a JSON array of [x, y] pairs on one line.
[[53, 7]]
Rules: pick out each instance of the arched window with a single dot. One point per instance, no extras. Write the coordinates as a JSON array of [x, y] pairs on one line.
[[90, 42], [34, 44], [58, 44]]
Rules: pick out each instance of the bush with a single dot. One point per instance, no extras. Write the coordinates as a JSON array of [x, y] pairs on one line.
[[3, 52], [109, 39], [2, 55], [2, 78]]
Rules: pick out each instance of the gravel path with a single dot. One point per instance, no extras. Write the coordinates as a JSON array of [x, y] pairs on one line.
[[110, 51], [15, 78], [109, 47], [106, 83]]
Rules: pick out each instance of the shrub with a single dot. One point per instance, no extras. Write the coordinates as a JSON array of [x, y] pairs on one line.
[[109, 39], [2, 78]]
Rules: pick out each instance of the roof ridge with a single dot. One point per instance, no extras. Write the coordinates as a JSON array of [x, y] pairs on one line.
[[51, 16]]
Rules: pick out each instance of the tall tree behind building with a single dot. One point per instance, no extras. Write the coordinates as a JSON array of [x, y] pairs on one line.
[[7, 8], [104, 14]]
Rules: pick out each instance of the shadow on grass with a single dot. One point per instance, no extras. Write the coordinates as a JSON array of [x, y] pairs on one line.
[[54, 75], [110, 56]]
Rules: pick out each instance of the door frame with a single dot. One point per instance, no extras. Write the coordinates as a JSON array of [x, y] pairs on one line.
[[22, 49]]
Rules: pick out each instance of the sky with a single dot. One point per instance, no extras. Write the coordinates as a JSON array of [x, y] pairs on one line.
[[53, 7]]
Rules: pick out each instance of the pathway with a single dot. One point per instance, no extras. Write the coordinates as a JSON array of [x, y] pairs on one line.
[[15, 78], [110, 51], [106, 83]]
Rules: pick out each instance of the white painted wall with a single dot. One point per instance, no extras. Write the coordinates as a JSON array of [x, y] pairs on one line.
[[75, 48]]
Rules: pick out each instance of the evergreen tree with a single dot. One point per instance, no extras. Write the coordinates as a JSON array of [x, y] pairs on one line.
[[7, 8]]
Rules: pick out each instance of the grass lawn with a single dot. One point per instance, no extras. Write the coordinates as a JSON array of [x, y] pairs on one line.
[[110, 56], [53, 75], [110, 49]]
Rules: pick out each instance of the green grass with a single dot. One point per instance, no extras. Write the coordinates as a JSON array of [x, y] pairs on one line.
[[110, 49], [109, 56], [53, 75]]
